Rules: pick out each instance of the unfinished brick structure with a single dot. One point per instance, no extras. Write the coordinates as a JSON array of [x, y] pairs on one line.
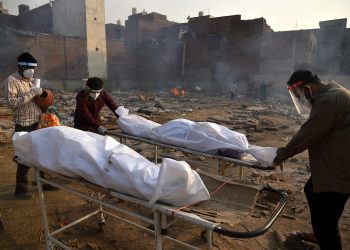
[[59, 57], [142, 27], [223, 49]]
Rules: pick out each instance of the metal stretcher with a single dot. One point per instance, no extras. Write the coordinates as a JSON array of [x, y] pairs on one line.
[[230, 202], [242, 163]]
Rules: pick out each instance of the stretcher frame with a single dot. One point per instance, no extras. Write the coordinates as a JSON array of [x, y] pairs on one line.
[[123, 137], [161, 212]]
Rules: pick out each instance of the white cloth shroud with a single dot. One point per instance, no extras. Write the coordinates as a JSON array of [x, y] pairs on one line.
[[205, 137], [104, 161]]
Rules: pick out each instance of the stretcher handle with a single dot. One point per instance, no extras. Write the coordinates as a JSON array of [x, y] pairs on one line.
[[261, 230]]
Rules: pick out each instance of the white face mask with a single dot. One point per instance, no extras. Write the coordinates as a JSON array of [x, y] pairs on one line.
[[28, 73], [94, 95]]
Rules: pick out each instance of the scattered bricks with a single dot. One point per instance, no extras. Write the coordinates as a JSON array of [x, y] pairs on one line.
[[277, 176], [145, 98], [264, 213], [201, 158], [249, 126], [299, 210], [259, 129], [262, 206], [295, 160], [91, 246], [288, 216], [271, 129]]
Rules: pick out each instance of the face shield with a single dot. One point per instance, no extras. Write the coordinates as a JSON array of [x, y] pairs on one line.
[[94, 94], [27, 69], [302, 104]]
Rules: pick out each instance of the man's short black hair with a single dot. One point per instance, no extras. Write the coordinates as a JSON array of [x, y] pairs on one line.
[[303, 75], [26, 57], [94, 83]]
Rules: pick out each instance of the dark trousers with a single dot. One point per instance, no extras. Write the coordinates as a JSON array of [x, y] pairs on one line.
[[22, 170], [326, 209]]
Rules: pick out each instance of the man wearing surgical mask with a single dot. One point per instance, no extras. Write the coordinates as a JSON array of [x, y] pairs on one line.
[[89, 103], [19, 93], [326, 135]]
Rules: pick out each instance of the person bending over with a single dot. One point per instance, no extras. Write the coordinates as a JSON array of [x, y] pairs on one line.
[[89, 103]]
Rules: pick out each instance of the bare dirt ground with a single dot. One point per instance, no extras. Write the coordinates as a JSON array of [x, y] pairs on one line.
[[269, 124]]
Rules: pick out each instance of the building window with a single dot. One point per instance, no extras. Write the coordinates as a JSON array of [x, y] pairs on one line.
[[95, 18], [96, 49]]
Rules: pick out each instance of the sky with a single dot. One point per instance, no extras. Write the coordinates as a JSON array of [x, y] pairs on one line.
[[280, 15]]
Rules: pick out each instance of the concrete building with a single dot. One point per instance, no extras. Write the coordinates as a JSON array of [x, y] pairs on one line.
[[282, 53], [84, 18], [325, 51], [62, 61], [223, 49], [115, 31], [333, 47], [69, 51], [142, 27], [36, 20]]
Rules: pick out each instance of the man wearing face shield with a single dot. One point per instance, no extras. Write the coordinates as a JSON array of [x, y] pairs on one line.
[[89, 103], [19, 93], [326, 135]]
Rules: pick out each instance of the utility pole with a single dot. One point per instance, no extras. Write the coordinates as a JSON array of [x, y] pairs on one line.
[[183, 60]]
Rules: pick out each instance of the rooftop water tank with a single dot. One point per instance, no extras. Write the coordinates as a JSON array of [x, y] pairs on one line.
[[22, 8], [134, 11]]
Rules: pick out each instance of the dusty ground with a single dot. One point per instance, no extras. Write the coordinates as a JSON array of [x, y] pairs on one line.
[[270, 124]]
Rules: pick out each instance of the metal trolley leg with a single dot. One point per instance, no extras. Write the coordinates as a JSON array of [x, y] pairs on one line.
[[158, 228], [209, 239], [48, 243], [102, 218], [156, 155]]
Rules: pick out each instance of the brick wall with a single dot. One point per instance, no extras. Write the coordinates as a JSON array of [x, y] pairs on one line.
[[222, 49], [37, 20], [141, 27], [8, 20], [114, 31], [58, 57], [283, 51], [117, 60]]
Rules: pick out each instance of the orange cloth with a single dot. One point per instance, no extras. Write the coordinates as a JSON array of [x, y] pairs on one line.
[[175, 91], [49, 120]]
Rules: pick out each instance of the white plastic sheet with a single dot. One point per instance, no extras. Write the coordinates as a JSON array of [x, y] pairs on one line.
[[104, 161], [205, 137]]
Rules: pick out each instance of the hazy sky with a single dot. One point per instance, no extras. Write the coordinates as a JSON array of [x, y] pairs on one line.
[[280, 14]]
